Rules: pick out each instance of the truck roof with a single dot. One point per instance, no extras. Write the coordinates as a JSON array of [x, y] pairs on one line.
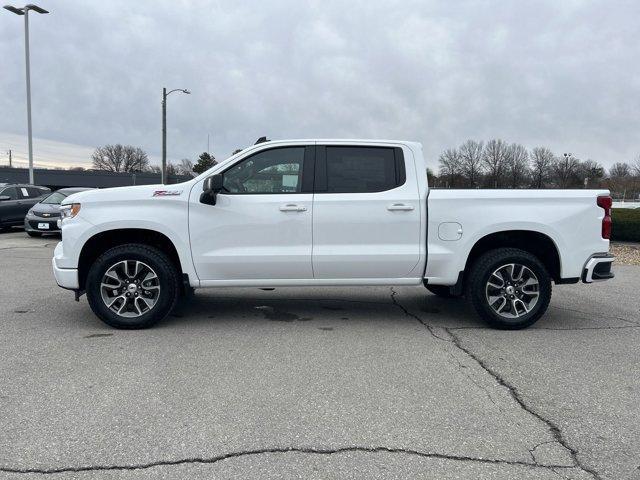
[[342, 140]]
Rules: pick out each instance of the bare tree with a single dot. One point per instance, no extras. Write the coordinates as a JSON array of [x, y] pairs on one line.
[[470, 153], [120, 158], [592, 173], [621, 179], [620, 170], [185, 167], [517, 165], [565, 171], [494, 159], [542, 160], [636, 166], [432, 179], [450, 166], [172, 169]]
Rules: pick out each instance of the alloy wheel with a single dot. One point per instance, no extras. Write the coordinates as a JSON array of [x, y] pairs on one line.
[[130, 288], [512, 290]]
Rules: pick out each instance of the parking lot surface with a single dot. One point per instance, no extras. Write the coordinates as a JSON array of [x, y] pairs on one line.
[[315, 383]]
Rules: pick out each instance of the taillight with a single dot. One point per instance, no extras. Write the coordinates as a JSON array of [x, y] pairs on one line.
[[605, 202]]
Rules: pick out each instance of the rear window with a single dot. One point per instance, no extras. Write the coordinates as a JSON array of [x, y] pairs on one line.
[[362, 169]]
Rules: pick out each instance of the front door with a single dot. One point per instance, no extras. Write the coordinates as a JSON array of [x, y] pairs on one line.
[[260, 226]]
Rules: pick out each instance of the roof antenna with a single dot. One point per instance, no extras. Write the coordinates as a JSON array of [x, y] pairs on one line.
[[262, 140]]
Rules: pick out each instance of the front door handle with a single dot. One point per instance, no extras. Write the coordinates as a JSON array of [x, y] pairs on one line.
[[292, 207], [399, 207]]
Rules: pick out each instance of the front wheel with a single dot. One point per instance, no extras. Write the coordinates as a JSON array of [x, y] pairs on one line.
[[132, 286], [509, 288]]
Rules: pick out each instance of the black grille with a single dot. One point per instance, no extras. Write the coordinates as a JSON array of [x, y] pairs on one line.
[[47, 214]]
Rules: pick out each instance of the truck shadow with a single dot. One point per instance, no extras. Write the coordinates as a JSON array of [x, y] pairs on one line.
[[289, 307], [328, 309]]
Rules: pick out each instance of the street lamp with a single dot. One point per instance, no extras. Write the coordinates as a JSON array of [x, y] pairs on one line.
[[165, 94], [25, 11]]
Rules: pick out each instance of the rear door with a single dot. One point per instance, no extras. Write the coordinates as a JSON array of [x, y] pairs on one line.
[[260, 227], [366, 212], [28, 198]]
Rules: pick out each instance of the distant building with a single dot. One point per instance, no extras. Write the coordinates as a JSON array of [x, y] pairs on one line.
[[55, 179]]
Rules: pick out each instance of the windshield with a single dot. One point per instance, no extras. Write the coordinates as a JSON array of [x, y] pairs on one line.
[[55, 198]]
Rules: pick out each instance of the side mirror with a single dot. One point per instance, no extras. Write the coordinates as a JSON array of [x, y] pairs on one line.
[[4, 198], [211, 187]]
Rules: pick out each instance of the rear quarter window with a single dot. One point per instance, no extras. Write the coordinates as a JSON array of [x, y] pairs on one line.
[[36, 192]]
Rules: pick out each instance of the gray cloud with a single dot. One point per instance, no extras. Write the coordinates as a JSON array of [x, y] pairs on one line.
[[560, 74]]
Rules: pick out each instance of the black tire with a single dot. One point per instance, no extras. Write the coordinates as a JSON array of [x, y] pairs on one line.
[[34, 234], [443, 291], [167, 275], [478, 292]]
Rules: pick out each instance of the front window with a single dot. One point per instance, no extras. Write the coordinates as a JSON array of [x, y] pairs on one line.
[[10, 192], [55, 198], [278, 170]]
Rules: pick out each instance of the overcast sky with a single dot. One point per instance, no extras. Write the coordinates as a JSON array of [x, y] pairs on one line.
[[563, 74]]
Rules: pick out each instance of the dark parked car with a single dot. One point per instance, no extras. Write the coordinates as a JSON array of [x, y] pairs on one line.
[[43, 217], [15, 202]]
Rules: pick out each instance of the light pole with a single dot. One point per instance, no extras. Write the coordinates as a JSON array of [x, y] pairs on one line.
[[25, 11], [165, 94]]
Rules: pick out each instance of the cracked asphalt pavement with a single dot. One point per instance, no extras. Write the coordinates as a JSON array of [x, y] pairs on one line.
[[315, 383]]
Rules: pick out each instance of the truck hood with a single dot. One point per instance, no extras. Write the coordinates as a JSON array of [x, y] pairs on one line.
[[138, 192]]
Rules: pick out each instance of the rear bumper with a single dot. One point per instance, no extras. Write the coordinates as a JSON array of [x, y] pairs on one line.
[[65, 277], [598, 268]]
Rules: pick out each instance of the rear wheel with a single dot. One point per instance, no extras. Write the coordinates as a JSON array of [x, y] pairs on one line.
[[132, 286], [509, 288], [443, 291]]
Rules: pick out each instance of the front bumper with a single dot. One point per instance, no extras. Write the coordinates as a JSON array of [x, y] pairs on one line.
[[65, 277], [31, 224], [598, 268]]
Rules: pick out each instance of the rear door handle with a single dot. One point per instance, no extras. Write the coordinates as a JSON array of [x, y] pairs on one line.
[[292, 207], [399, 207]]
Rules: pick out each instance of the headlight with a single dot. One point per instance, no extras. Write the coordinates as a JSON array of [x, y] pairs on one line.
[[30, 212], [69, 211]]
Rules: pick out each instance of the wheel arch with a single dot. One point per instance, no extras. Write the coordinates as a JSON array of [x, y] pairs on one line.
[[104, 240], [536, 243]]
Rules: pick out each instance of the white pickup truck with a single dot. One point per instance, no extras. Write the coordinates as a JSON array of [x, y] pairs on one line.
[[328, 212]]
